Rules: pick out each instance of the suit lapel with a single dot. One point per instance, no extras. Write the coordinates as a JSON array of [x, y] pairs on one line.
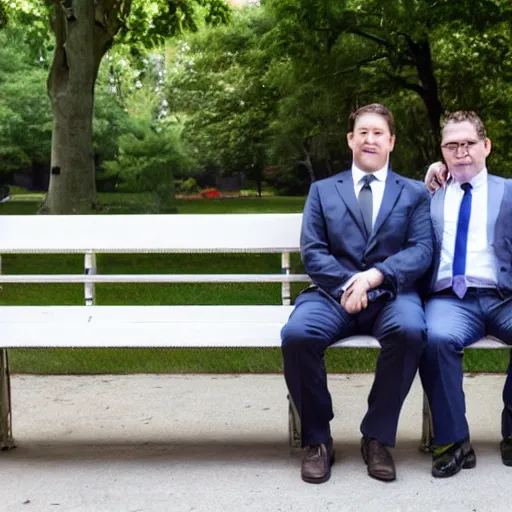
[[392, 191], [437, 217], [345, 187], [437, 214], [495, 191]]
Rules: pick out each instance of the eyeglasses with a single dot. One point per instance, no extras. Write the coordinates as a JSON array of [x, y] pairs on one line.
[[455, 146]]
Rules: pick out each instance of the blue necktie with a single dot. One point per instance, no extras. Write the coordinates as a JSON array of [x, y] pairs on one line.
[[461, 243]]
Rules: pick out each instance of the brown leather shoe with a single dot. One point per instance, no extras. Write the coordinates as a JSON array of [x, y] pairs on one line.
[[316, 465], [378, 459]]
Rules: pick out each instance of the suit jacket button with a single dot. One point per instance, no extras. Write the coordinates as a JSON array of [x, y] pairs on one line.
[[503, 269]]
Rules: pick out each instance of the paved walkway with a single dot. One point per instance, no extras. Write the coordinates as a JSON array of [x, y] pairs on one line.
[[219, 443]]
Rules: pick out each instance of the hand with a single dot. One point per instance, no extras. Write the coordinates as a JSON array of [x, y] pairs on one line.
[[355, 297], [436, 176]]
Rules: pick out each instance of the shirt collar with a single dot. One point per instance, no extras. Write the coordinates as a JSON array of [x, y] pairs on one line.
[[358, 174], [479, 179], [476, 182]]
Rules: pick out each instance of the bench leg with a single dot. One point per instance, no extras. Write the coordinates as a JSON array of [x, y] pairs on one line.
[[427, 434], [6, 440], [295, 440], [294, 435]]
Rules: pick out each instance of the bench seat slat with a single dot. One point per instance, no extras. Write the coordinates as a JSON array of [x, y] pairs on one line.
[[141, 314], [156, 326]]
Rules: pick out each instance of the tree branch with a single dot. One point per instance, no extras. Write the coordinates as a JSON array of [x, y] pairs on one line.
[[406, 84], [352, 68], [376, 39]]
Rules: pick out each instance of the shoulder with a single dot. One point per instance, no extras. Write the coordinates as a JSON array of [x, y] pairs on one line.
[[331, 181], [415, 187], [492, 178], [497, 184]]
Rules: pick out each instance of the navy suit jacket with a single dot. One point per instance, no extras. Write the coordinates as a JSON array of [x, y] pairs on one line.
[[499, 229], [335, 246]]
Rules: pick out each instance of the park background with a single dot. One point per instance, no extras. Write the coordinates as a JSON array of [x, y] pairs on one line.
[[206, 106]]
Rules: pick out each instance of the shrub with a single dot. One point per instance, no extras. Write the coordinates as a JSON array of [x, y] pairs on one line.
[[188, 186]]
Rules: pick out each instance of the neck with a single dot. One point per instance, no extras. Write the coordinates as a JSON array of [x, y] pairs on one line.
[[464, 175]]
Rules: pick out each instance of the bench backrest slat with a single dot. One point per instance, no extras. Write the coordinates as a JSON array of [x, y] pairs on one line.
[[150, 233]]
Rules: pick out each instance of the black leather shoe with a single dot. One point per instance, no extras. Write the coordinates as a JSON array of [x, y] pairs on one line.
[[460, 456], [378, 459], [506, 451], [316, 465]]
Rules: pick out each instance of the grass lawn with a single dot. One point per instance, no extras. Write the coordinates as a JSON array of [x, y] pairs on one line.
[[92, 361]]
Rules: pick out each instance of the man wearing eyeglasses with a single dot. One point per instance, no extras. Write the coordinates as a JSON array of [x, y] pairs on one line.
[[471, 286]]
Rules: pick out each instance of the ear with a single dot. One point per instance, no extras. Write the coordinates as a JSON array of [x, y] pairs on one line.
[[392, 143], [350, 138], [487, 146]]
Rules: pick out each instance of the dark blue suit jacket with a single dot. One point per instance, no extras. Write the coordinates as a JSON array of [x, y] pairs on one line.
[[335, 246]]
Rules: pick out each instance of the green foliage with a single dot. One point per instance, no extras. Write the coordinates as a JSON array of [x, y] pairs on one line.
[[140, 23], [216, 79], [31, 19], [188, 186], [419, 57], [25, 115], [150, 22], [148, 161], [111, 120], [3, 16], [273, 88]]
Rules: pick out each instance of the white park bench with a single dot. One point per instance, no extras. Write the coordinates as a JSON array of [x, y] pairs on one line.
[[94, 325]]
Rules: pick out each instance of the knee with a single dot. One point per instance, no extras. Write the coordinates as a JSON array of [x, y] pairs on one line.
[[296, 336], [292, 336], [414, 334], [442, 342]]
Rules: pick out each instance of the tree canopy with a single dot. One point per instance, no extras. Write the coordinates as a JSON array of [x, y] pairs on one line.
[[265, 91]]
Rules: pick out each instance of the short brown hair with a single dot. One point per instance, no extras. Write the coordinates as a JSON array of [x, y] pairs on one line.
[[373, 108], [459, 116]]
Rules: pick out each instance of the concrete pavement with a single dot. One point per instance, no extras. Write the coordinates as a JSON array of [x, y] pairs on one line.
[[145, 443]]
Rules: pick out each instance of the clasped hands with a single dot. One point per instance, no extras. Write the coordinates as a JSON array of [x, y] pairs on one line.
[[355, 297]]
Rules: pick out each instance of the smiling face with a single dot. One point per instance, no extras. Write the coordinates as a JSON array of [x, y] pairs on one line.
[[464, 151], [371, 142]]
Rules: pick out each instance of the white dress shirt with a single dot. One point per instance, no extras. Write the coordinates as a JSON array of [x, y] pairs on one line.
[[480, 267]]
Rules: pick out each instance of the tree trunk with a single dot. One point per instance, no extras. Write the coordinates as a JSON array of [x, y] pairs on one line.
[[329, 166], [430, 90], [308, 165], [72, 188]]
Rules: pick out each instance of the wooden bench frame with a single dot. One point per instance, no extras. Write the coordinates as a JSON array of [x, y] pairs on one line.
[[153, 326]]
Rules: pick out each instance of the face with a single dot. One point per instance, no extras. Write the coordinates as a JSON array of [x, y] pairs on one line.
[[464, 162], [371, 142]]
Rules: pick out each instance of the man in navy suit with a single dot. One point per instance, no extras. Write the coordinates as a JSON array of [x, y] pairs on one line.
[[471, 286], [366, 240]]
